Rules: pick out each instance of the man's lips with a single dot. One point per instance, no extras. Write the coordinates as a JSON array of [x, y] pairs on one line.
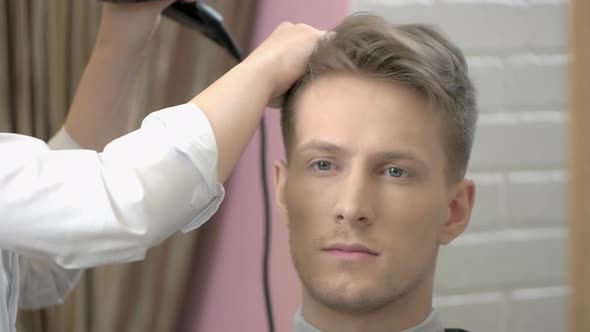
[[350, 251]]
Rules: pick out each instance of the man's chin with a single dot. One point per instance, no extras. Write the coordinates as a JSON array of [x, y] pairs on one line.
[[348, 297]]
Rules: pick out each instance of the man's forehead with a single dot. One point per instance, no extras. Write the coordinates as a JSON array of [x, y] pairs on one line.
[[351, 103], [356, 112]]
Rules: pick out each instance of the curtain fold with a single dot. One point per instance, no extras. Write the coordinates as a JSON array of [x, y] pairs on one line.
[[44, 47]]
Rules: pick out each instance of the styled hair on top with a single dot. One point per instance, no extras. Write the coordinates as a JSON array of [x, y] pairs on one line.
[[412, 55]]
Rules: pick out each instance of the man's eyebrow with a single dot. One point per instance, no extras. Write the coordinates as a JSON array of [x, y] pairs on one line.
[[319, 145], [323, 146], [399, 155]]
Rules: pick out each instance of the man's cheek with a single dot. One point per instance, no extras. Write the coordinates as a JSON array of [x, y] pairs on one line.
[[299, 220], [300, 204]]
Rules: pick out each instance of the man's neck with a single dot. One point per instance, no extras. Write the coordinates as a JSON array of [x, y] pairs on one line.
[[406, 312]]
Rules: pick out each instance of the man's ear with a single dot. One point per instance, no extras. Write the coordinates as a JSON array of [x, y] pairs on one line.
[[280, 177], [460, 206]]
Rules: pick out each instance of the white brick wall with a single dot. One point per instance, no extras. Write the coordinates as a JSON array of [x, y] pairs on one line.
[[507, 273]]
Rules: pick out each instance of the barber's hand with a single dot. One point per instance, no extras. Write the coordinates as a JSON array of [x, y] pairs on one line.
[[284, 56]]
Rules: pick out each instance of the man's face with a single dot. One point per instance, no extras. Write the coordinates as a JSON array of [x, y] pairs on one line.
[[365, 193]]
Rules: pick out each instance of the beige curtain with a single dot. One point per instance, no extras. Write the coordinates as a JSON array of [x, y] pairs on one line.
[[44, 47]]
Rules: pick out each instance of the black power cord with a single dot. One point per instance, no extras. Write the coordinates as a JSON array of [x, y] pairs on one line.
[[267, 225], [266, 249]]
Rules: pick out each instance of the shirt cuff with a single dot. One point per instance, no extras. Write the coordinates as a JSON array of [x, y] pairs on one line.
[[188, 125], [205, 212]]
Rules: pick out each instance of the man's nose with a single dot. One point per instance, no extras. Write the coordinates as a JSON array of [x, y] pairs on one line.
[[355, 199]]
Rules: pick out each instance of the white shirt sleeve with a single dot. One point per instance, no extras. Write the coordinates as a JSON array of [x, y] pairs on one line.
[[81, 208]]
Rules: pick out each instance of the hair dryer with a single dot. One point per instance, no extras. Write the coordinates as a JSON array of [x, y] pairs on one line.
[[202, 18]]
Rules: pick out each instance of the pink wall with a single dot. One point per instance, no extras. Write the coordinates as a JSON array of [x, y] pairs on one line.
[[228, 295]]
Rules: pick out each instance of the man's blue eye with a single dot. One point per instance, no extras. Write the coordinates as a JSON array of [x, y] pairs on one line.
[[395, 172], [323, 165]]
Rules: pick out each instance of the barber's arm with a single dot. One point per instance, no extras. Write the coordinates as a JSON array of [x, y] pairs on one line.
[[101, 109], [100, 112], [81, 208]]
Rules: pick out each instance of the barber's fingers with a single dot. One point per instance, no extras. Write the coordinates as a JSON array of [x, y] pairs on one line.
[[285, 54], [302, 40]]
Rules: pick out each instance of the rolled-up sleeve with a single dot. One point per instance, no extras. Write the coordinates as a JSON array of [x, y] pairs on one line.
[[81, 208]]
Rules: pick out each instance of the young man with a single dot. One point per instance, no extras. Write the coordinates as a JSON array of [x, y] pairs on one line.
[[377, 135]]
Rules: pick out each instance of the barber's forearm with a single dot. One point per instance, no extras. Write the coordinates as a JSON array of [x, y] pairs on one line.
[[234, 106], [102, 107]]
